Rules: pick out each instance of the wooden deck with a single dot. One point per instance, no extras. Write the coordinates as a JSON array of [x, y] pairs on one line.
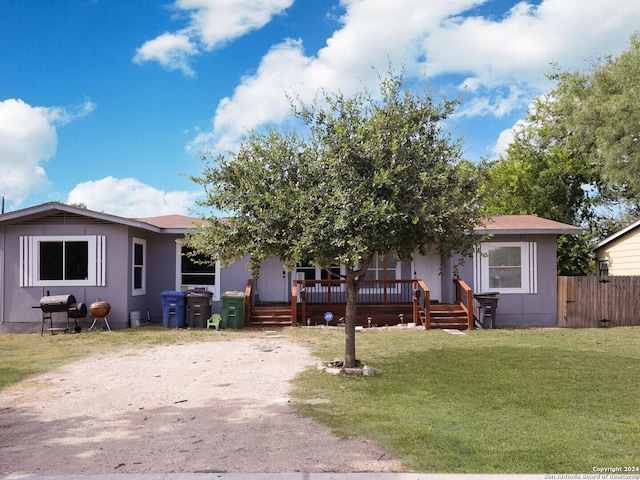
[[391, 303], [279, 315]]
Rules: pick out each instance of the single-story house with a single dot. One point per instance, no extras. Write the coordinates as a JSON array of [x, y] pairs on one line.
[[56, 249], [619, 254]]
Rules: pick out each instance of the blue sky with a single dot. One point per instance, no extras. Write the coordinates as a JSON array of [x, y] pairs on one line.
[[109, 102]]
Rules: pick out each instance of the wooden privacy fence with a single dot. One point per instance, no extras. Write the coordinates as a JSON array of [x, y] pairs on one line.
[[587, 302]]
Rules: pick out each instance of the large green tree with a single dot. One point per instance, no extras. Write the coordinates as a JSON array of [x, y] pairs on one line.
[[576, 158], [361, 176], [598, 110]]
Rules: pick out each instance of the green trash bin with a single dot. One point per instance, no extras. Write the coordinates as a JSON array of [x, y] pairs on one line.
[[232, 310]]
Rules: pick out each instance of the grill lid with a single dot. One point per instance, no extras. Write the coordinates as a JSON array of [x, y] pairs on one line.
[[56, 303]]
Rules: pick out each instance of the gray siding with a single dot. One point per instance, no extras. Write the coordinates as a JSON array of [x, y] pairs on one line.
[[520, 310], [17, 312], [161, 272], [232, 278]]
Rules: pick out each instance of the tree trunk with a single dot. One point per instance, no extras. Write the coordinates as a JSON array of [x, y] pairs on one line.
[[350, 323]]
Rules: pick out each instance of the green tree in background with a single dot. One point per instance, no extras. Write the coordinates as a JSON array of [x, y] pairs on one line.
[[576, 158], [360, 177], [599, 110]]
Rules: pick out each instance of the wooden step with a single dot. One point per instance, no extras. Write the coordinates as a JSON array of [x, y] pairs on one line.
[[270, 316], [446, 316]]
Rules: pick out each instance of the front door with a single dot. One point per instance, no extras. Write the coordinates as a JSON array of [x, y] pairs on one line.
[[272, 283], [427, 269]]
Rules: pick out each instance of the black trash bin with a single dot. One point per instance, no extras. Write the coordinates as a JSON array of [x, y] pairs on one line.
[[198, 308], [488, 304], [174, 309]]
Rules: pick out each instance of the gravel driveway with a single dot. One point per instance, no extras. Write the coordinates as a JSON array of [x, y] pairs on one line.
[[205, 407]]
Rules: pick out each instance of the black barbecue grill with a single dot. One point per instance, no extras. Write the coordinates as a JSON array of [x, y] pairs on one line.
[[51, 304]]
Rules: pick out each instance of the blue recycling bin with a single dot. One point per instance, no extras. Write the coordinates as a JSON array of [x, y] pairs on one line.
[[174, 309]]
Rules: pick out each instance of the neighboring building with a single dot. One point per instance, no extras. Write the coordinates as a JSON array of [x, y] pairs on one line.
[[57, 249], [619, 254]]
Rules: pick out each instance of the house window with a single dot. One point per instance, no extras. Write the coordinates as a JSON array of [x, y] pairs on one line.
[[383, 267], [139, 266], [307, 271], [603, 268], [332, 274], [62, 261], [507, 267], [195, 271]]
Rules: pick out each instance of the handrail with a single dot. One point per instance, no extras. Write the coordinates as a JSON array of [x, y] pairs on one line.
[[248, 301], [421, 298], [466, 300]]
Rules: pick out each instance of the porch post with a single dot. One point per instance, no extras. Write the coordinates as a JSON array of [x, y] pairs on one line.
[[470, 309], [415, 302], [294, 304], [304, 302]]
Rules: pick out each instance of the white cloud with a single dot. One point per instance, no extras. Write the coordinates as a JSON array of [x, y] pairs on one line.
[[172, 51], [130, 198], [260, 98], [497, 102], [215, 22], [505, 138], [28, 138], [374, 33], [511, 54], [518, 49], [212, 23]]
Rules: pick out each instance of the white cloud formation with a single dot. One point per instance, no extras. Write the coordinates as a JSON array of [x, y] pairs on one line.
[[503, 59], [130, 198], [211, 23], [496, 102], [28, 138], [172, 51], [520, 47], [505, 138], [260, 98]]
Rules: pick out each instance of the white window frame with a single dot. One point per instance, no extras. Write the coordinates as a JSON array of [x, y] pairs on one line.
[[30, 261], [214, 289], [379, 260], [143, 290], [528, 265]]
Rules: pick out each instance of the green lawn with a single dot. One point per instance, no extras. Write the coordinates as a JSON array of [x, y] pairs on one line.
[[500, 401]]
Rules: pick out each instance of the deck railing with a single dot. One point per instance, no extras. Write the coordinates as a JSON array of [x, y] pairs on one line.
[[372, 292], [464, 297]]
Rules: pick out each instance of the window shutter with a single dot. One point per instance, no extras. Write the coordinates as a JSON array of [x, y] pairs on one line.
[[477, 270], [26, 262], [533, 267], [101, 260]]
